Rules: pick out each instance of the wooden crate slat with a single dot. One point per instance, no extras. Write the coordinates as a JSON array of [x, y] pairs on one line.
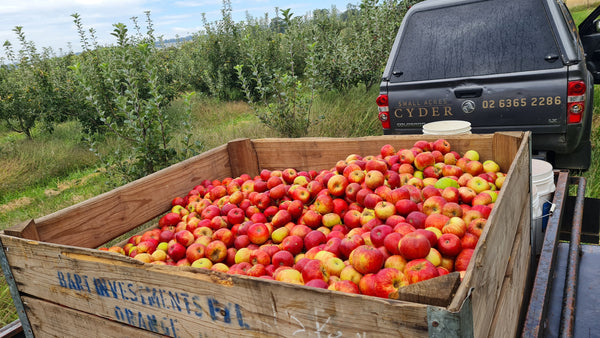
[[100, 219], [52, 320], [486, 272], [507, 317], [242, 158], [200, 301]]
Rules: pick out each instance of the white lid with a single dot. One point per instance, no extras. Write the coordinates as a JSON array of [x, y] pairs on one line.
[[541, 170], [448, 127]]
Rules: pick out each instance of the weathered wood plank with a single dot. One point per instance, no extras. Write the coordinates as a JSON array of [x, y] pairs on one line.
[[322, 153], [486, 272], [25, 229], [445, 287], [52, 320], [242, 158], [509, 310], [100, 219], [196, 301]]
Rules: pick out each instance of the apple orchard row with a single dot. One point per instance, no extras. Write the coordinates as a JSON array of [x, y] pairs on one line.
[[369, 225]]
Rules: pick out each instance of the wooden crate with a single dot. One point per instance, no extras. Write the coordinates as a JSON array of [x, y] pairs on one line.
[[68, 288]]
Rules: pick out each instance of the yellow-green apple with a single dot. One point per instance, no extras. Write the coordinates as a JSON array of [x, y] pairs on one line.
[[482, 198], [292, 243], [314, 269], [288, 275], [203, 263], [279, 234], [243, 255], [433, 205], [446, 181], [493, 194], [429, 181], [416, 219], [478, 184], [349, 273], [366, 259], [418, 270], [343, 286], [368, 284], [455, 225], [436, 220], [500, 181], [331, 219], [469, 241], [416, 181], [259, 256], [216, 251], [414, 245], [334, 266], [389, 281], [434, 256], [374, 179], [490, 166], [159, 255], [424, 160], [472, 155], [384, 209], [337, 184], [366, 215], [449, 245], [301, 180]]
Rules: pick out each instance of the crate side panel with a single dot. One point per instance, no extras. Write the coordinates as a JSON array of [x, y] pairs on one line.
[[52, 320], [100, 219], [486, 271], [507, 319], [323, 153], [242, 158], [200, 301]]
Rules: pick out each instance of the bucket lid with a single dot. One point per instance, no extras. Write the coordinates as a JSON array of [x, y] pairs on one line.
[[541, 170], [447, 127]]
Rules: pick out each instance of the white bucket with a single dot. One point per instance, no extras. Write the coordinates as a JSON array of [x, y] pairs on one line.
[[542, 181], [448, 127]]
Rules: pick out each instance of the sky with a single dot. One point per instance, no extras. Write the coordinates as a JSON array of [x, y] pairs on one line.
[[48, 23]]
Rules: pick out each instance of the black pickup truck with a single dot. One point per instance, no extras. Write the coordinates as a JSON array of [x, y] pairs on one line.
[[502, 65]]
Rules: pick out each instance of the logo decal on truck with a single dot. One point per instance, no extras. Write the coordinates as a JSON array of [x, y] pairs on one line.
[[468, 106]]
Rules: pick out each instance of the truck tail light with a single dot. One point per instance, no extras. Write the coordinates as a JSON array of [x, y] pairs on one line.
[[384, 111], [575, 101]]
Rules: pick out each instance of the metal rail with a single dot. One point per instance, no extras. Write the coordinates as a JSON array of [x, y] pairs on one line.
[[536, 320]]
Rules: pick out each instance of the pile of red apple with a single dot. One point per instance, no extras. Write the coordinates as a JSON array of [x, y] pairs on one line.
[[369, 225]]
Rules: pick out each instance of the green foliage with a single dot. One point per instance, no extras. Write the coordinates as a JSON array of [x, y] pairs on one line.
[[130, 91]]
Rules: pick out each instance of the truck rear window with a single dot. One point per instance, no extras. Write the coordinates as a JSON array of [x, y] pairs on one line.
[[473, 39]]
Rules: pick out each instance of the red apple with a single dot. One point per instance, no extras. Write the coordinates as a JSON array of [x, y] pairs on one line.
[[366, 259], [414, 245], [389, 281], [258, 233], [449, 245], [461, 263], [419, 270], [216, 251]]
